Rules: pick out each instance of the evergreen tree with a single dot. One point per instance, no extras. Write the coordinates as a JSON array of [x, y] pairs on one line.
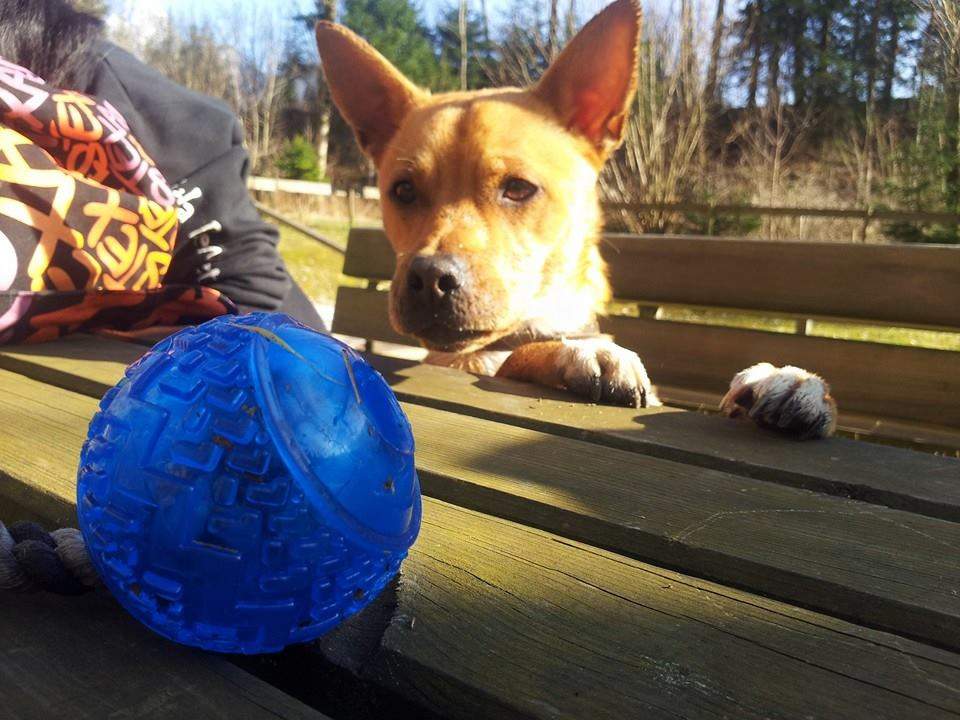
[[397, 29]]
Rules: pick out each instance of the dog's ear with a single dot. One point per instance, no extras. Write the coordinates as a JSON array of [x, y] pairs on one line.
[[373, 96], [591, 84]]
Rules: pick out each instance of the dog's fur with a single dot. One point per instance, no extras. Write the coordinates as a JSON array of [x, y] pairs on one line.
[[479, 261]]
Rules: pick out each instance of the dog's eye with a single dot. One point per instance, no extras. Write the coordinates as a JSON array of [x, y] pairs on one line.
[[404, 192], [518, 190]]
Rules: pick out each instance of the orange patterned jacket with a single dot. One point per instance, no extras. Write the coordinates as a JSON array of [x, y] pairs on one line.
[[88, 223]]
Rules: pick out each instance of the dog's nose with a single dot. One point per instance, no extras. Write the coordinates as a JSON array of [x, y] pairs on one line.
[[434, 277]]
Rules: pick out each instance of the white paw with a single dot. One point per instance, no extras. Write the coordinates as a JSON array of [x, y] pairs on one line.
[[787, 399], [604, 372]]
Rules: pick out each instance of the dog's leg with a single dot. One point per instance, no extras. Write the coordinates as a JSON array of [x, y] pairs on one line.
[[787, 399], [595, 368]]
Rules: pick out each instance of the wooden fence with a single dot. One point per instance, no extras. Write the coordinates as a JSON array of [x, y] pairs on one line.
[[712, 211]]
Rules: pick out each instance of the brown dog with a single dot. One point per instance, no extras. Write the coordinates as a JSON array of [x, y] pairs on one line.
[[489, 200]]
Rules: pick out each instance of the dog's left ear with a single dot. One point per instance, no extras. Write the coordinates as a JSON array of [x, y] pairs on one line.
[[590, 86]]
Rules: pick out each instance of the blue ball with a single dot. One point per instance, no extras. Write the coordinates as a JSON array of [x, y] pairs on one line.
[[249, 484]]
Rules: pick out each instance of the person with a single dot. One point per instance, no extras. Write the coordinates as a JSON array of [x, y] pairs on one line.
[[123, 198]]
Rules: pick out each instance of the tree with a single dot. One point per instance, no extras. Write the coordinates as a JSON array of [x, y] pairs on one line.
[[452, 37], [298, 160], [397, 30], [324, 10]]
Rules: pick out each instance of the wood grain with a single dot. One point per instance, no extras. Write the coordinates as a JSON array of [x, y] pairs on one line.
[[890, 283], [85, 658], [872, 565], [911, 285], [493, 619], [884, 380]]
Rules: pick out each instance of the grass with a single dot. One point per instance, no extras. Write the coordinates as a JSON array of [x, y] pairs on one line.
[[315, 267], [817, 328]]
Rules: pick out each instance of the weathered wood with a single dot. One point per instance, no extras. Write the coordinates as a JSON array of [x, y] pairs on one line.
[[909, 284], [363, 313], [920, 483], [498, 620], [86, 658], [369, 254], [886, 568], [891, 283], [884, 380]]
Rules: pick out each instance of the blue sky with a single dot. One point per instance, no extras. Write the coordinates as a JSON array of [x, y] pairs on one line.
[[203, 7]]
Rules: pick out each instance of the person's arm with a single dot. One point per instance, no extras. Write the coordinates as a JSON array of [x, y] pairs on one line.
[[223, 241]]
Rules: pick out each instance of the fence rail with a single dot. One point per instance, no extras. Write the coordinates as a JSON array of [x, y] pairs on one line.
[[711, 210]]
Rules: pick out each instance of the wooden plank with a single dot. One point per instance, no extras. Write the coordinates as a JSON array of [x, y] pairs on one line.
[[488, 610], [920, 483], [917, 482], [891, 283], [369, 254], [869, 564], [86, 658], [363, 313], [906, 284], [885, 380], [496, 619]]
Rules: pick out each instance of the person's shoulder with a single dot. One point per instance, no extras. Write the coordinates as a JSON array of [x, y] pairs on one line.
[[182, 129], [150, 87]]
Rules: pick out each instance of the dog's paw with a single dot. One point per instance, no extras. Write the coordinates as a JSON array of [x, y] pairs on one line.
[[604, 372], [594, 368], [787, 399]]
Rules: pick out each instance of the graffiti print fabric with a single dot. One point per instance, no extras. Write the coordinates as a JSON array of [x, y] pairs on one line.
[[88, 224]]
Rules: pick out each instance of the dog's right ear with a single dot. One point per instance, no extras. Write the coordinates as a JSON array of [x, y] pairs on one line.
[[590, 86], [373, 96]]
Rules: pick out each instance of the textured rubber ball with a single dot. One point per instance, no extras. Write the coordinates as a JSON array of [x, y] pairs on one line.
[[249, 484]]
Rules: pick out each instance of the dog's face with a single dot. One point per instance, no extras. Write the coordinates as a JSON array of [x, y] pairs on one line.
[[489, 197]]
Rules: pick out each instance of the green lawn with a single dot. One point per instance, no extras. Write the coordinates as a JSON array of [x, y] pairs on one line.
[[315, 267]]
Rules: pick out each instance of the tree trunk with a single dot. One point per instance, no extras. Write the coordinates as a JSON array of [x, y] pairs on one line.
[[716, 45], [325, 106], [798, 35], [464, 56], [869, 146], [553, 41], [893, 51], [823, 53], [756, 42]]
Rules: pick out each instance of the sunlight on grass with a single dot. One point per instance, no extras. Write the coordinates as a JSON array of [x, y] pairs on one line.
[[316, 268], [816, 328]]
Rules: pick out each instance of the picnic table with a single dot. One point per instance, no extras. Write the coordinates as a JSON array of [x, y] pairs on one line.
[[574, 561]]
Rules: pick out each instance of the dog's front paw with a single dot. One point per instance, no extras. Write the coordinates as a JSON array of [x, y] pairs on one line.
[[595, 368], [787, 399]]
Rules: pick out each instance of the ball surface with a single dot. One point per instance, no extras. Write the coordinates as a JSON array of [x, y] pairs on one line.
[[247, 485]]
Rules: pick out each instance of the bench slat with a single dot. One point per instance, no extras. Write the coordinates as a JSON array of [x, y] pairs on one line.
[[363, 313], [892, 381], [496, 618], [908, 284], [887, 380], [85, 658], [866, 563], [917, 482]]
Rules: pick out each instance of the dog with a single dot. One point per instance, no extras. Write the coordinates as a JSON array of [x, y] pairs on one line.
[[490, 202]]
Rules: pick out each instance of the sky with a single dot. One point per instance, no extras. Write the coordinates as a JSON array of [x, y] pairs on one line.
[[430, 7]]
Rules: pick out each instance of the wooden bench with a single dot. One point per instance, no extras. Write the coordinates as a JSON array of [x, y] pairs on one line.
[[574, 562], [908, 394]]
